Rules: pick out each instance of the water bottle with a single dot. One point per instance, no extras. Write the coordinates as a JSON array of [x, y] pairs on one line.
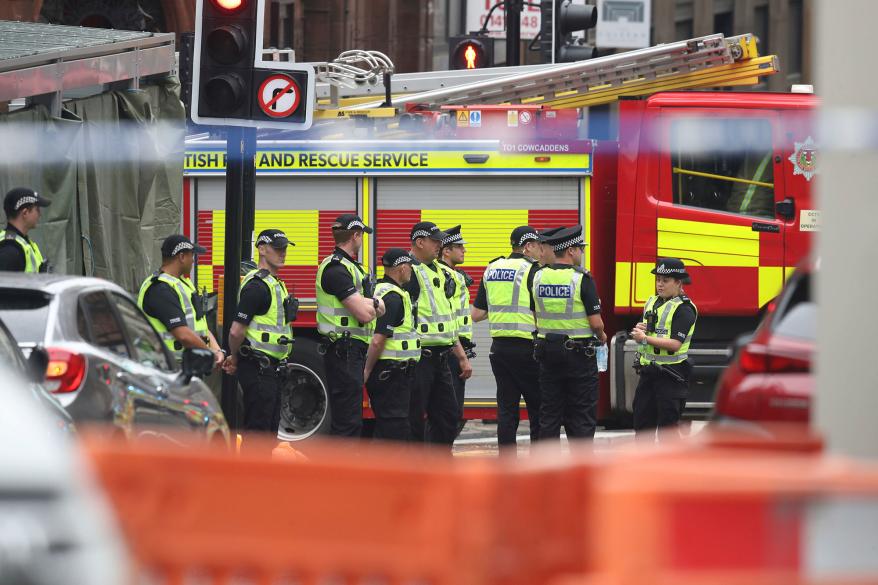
[[603, 355]]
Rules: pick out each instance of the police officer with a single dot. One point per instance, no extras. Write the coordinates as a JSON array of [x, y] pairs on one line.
[[173, 305], [453, 254], [547, 254], [261, 337], [504, 298], [663, 336], [18, 253], [346, 311], [433, 396], [569, 326], [394, 351]]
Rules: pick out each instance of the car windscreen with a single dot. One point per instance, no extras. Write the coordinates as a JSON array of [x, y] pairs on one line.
[[25, 313]]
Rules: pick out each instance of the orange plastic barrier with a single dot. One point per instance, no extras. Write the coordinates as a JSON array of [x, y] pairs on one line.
[[719, 515], [364, 515], [714, 511]]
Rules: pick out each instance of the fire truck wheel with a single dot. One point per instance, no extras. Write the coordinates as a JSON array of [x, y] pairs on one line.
[[304, 407]]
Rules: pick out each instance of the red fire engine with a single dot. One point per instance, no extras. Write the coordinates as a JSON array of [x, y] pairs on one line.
[[717, 178]]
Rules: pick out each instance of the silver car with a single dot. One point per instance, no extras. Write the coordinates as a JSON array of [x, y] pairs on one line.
[[107, 364]]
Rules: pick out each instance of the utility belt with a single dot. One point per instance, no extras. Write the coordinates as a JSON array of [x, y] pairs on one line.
[[340, 344], [557, 344], [265, 362], [435, 353], [654, 370], [395, 367]]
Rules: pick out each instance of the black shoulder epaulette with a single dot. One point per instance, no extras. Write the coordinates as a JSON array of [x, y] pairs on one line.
[[335, 259], [10, 235], [582, 271], [497, 258], [262, 274], [156, 274]]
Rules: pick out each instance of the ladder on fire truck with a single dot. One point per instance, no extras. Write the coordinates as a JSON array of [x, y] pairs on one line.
[[708, 61]]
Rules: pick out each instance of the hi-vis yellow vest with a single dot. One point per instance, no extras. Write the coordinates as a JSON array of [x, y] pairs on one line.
[[437, 323], [650, 354], [460, 303], [509, 313], [405, 343], [33, 258], [266, 332], [333, 318], [558, 300], [184, 290]]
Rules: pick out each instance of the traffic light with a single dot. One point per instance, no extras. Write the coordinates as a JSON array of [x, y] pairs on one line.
[[471, 51], [232, 85], [226, 45], [560, 18]]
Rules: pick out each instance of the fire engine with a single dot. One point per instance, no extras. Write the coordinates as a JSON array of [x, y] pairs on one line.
[[717, 178]]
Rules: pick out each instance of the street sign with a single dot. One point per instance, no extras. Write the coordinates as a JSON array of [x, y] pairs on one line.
[[279, 96], [623, 24]]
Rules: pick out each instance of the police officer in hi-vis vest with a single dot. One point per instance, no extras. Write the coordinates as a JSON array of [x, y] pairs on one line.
[[18, 253], [451, 256], [261, 337], [435, 412], [346, 311], [504, 298], [394, 351], [173, 305], [569, 328], [663, 336]]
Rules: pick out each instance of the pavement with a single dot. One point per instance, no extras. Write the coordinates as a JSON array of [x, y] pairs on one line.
[[479, 439]]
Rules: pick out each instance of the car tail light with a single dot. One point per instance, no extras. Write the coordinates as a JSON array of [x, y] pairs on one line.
[[758, 359], [65, 371]]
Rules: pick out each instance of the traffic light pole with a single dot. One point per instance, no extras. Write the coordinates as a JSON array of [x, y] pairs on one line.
[[235, 150], [513, 32], [248, 221]]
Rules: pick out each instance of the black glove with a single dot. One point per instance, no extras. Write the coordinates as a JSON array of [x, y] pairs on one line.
[[369, 284], [291, 309]]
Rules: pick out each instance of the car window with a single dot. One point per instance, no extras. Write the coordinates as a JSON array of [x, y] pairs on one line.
[[145, 342], [800, 322], [25, 313], [723, 164], [9, 352], [98, 324]]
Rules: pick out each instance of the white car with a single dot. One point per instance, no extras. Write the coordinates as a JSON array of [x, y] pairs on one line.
[[54, 525]]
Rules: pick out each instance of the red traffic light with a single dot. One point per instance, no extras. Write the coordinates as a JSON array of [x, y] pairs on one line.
[[470, 53], [230, 5]]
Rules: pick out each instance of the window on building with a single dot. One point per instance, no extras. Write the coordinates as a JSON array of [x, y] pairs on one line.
[[723, 164], [761, 29], [684, 29], [724, 22], [794, 51]]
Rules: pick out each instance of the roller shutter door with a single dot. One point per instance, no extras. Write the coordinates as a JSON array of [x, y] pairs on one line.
[[303, 207], [488, 209]]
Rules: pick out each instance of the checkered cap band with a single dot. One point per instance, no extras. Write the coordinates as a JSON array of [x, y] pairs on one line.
[[526, 237], [420, 234], [402, 260], [264, 240], [26, 200], [665, 270], [181, 247], [577, 241], [452, 239], [356, 224]]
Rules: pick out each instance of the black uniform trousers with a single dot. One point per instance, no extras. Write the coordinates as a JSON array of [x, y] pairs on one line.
[[434, 411], [458, 383], [344, 362], [569, 394], [517, 375], [659, 401], [261, 386], [390, 398]]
